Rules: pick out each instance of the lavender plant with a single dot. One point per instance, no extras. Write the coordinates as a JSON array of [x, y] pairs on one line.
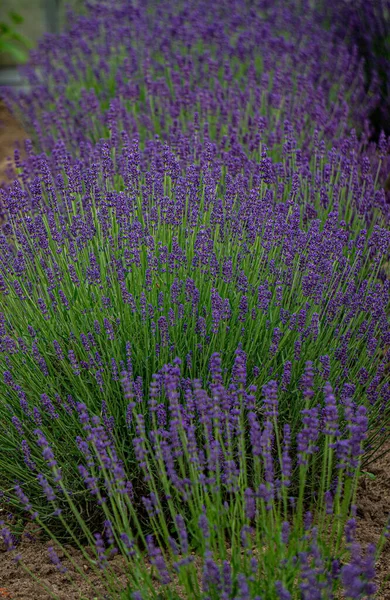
[[215, 513], [113, 267]]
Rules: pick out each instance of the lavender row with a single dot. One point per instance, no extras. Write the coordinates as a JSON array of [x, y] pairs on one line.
[[157, 70], [248, 238]]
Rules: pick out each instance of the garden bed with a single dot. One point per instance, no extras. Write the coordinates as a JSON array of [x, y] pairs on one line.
[[194, 314]]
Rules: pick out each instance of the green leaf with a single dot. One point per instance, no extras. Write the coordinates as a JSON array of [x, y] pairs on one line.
[[4, 28], [15, 17], [16, 53], [22, 39]]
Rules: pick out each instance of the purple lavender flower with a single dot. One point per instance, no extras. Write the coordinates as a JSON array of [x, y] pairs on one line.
[[73, 362], [48, 406], [158, 561], [27, 455], [47, 452], [100, 550], [204, 526], [357, 576], [46, 487], [283, 593], [58, 350], [307, 437], [56, 560], [8, 539], [211, 577], [270, 392], [330, 413], [18, 426], [182, 532]]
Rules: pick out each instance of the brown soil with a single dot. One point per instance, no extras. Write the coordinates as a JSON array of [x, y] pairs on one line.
[[17, 584], [11, 134], [373, 512]]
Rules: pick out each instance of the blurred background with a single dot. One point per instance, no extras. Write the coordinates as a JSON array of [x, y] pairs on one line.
[[22, 24], [363, 24]]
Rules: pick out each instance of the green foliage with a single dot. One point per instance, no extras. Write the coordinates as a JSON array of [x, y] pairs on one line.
[[13, 43]]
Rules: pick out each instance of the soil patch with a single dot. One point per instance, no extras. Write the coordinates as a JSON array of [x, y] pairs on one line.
[[11, 134], [373, 511], [17, 584]]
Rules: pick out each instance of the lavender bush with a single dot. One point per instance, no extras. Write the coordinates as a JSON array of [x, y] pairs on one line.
[[113, 267]]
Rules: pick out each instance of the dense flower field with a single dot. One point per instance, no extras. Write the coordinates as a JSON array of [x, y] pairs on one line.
[[365, 25], [194, 331]]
